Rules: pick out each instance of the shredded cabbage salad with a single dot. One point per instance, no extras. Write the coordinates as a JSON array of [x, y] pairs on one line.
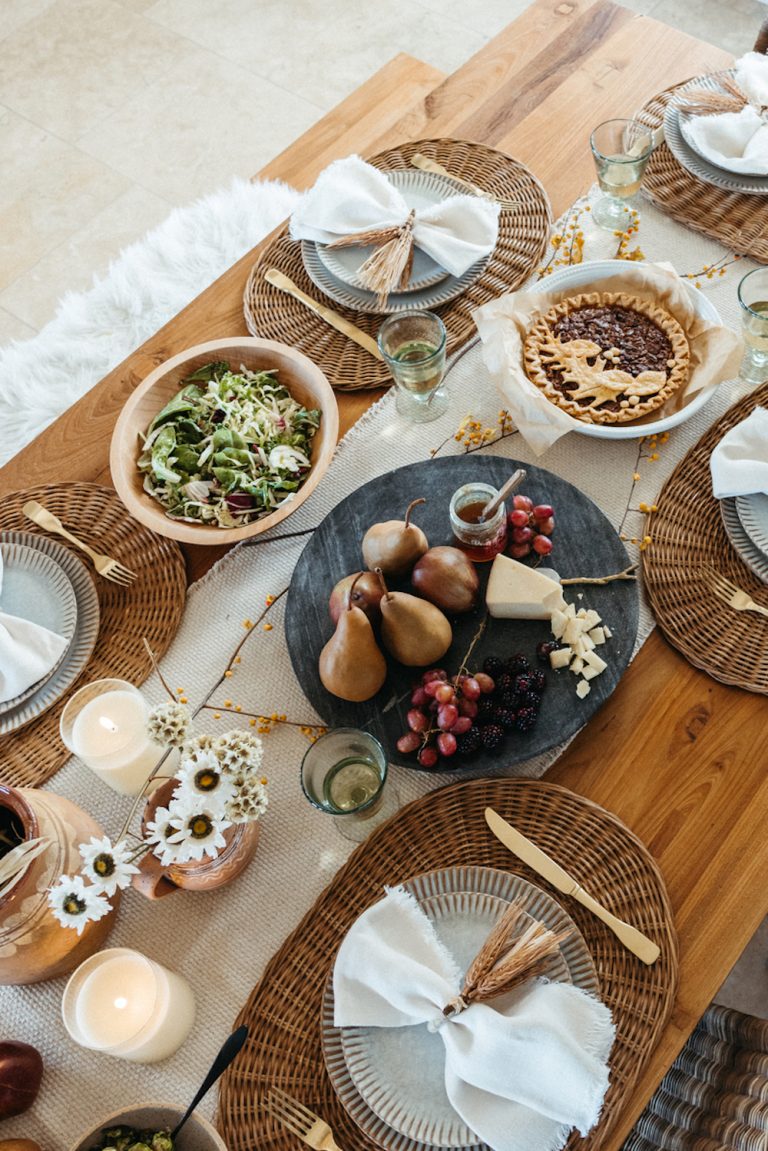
[[229, 448]]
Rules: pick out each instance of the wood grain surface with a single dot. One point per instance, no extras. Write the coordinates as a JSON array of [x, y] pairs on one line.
[[674, 754]]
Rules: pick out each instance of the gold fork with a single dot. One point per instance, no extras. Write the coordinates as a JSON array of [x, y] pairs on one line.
[[300, 1121], [734, 596], [105, 565], [427, 165]]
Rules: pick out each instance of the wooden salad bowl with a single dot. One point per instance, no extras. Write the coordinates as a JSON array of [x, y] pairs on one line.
[[304, 381]]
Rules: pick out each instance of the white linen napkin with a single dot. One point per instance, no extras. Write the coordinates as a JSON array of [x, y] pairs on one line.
[[738, 141], [351, 196], [27, 651], [739, 463], [521, 1079]]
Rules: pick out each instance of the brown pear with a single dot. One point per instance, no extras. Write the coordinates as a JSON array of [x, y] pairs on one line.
[[351, 664], [447, 577], [412, 629], [366, 595], [394, 545]]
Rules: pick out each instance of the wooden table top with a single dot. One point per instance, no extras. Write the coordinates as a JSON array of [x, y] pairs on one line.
[[672, 752]]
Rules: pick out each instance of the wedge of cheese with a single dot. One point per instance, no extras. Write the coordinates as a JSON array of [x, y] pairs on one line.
[[519, 592]]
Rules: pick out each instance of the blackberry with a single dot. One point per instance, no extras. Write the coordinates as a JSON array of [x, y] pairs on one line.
[[544, 649], [531, 699], [510, 700], [526, 719], [504, 717], [469, 743], [517, 663], [538, 681], [492, 736], [485, 708], [504, 682], [493, 666], [523, 684]]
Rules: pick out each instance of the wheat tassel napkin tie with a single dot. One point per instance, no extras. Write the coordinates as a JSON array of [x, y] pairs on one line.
[[737, 137], [521, 1072], [739, 463], [352, 202], [27, 651]]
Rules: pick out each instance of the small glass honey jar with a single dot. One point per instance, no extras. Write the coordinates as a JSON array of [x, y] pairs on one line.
[[481, 539]]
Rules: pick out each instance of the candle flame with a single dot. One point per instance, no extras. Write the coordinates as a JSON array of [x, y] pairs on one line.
[[121, 1002], [106, 722]]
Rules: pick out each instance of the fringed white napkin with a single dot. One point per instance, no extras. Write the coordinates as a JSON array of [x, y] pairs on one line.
[[27, 651], [738, 141], [739, 463], [521, 1079], [351, 196]]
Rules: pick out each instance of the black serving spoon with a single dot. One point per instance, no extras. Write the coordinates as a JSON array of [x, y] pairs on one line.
[[229, 1050]]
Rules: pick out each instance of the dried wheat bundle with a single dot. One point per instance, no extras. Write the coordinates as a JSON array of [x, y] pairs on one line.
[[703, 102], [390, 265], [504, 962]]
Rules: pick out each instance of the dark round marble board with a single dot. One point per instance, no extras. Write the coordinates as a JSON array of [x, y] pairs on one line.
[[585, 544]]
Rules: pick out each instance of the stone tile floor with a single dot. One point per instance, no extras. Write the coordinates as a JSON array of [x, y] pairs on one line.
[[114, 111]]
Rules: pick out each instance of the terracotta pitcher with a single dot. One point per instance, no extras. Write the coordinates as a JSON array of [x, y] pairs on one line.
[[155, 881], [33, 944]]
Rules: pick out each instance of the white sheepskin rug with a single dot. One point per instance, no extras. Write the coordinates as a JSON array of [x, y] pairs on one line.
[[145, 287]]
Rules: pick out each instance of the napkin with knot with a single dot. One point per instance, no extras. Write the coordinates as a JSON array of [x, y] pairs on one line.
[[520, 1078], [738, 141], [739, 463], [27, 651], [351, 196]]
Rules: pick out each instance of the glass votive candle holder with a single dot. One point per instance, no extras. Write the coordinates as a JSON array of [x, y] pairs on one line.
[[481, 540], [413, 346], [344, 773], [105, 725], [125, 1005], [753, 302]]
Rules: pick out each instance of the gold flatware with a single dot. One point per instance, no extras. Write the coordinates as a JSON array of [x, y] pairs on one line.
[[427, 165], [300, 1121], [731, 594], [634, 940], [279, 280], [106, 566]]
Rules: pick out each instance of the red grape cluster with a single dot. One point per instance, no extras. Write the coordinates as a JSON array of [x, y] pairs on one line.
[[531, 526], [466, 713]]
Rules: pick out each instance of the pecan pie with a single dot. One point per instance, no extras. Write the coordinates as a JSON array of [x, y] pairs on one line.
[[607, 358]]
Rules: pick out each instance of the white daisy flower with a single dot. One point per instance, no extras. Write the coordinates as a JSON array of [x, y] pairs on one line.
[[158, 834], [197, 828], [196, 783], [75, 903], [108, 867]]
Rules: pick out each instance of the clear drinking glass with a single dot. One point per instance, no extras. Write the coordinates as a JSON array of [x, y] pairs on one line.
[[413, 347], [344, 773], [621, 150], [753, 298]]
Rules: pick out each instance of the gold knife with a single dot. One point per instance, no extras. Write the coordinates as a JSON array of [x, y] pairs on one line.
[[279, 280], [634, 940]]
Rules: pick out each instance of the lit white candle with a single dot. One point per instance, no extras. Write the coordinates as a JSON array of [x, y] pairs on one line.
[[106, 728], [126, 1005]]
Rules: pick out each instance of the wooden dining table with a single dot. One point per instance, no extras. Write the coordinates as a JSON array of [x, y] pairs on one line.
[[673, 753]]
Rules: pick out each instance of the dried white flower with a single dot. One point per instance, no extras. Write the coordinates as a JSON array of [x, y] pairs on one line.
[[74, 903], [249, 802], [239, 749], [107, 866], [158, 832], [198, 780], [198, 829], [169, 723]]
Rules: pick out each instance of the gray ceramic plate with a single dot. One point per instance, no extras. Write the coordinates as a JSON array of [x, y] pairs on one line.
[[394, 1090], [753, 513], [35, 588], [755, 560], [83, 640]]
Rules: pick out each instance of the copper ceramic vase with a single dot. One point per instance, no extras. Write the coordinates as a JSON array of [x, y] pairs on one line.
[[33, 944], [155, 881]]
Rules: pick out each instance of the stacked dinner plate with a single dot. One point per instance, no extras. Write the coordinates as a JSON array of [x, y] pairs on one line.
[[746, 522], [45, 583], [682, 143], [335, 271]]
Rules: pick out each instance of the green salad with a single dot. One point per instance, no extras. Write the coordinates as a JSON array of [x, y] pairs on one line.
[[123, 1138], [229, 448]]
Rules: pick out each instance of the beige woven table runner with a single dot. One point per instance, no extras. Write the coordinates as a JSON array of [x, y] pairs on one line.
[[222, 941]]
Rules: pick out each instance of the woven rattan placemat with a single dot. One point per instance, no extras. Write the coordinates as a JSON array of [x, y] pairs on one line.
[[151, 606], [442, 829], [689, 538], [737, 220], [523, 235]]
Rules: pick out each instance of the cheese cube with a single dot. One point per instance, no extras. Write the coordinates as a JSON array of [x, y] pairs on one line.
[[557, 622], [587, 642], [573, 630], [518, 592], [597, 635], [570, 610], [594, 660], [607, 630], [582, 688], [592, 618], [590, 672], [577, 665], [561, 657]]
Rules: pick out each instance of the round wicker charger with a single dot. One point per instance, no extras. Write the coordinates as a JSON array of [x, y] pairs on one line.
[[735, 219], [151, 606], [688, 540], [523, 235], [442, 829]]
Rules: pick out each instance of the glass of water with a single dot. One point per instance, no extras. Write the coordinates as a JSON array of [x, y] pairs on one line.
[[621, 150], [753, 299], [413, 347], [343, 773]]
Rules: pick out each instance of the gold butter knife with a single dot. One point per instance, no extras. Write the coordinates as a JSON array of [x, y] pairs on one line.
[[640, 945], [279, 280], [424, 164]]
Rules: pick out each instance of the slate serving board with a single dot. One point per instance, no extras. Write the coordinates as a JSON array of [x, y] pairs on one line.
[[585, 544]]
